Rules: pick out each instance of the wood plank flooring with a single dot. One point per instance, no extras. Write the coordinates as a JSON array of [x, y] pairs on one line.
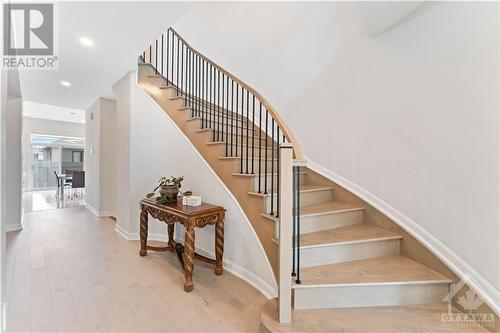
[[69, 271]]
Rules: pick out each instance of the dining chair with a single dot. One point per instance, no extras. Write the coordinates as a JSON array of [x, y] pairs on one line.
[[78, 181]]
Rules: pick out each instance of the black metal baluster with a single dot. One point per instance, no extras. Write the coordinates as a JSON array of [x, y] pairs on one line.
[[168, 42], [297, 281], [226, 108], [150, 52], [241, 127], [182, 69], [177, 65], [272, 165], [248, 138], [207, 96], [232, 115], [162, 37], [172, 59], [260, 143], [237, 113], [294, 222], [265, 157], [202, 94], [277, 170], [253, 132], [218, 106]]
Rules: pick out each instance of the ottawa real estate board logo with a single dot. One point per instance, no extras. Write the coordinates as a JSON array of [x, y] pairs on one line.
[[29, 39]]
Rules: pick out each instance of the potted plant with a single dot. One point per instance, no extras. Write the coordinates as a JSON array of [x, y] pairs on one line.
[[169, 189]]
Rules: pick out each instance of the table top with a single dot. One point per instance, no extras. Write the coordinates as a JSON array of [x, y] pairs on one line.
[[180, 209]]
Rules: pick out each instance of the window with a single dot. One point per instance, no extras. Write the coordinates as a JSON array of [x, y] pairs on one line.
[[77, 156]]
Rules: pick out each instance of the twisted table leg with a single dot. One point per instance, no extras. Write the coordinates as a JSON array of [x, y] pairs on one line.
[[219, 245], [143, 231], [189, 257], [171, 228]]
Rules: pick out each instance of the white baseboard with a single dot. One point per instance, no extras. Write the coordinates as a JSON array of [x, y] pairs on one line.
[[13, 227], [98, 213], [463, 270], [247, 276]]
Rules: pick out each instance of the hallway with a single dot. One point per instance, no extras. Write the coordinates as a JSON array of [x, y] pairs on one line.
[[70, 271]]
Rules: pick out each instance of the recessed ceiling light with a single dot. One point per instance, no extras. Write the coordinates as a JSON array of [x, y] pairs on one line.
[[87, 42], [66, 83]]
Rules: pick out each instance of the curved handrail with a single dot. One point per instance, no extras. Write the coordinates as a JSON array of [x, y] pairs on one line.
[[288, 133]]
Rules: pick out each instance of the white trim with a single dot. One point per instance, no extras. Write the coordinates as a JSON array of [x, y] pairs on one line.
[[244, 274], [13, 227], [266, 288], [92, 209], [98, 213], [463, 270]]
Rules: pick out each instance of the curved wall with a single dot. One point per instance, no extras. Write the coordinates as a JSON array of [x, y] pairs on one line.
[[408, 118], [153, 146]]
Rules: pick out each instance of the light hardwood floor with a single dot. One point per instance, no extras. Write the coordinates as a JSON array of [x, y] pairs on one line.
[[70, 271]]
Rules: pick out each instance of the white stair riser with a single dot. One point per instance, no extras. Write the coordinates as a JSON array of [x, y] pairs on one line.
[[331, 254], [306, 198], [321, 222], [368, 295]]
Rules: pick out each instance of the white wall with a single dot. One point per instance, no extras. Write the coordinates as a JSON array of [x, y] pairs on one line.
[[43, 126], [100, 157], [409, 119], [158, 148], [14, 164], [92, 156]]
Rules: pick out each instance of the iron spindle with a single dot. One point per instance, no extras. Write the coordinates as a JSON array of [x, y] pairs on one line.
[[265, 157], [277, 171], [177, 65], [162, 37], [272, 165], [298, 226], [248, 138], [232, 115], [260, 142], [294, 222], [236, 139], [241, 128], [168, 41], [218, 106], [253, 132]]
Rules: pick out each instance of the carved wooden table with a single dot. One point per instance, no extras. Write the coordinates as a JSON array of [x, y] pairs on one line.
[[190, 217]]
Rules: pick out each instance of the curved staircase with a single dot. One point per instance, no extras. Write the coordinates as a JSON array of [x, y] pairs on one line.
[[349, 260]]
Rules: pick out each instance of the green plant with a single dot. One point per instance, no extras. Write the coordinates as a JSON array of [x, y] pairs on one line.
[[168, 181]]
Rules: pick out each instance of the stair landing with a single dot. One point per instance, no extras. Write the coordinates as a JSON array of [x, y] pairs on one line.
[[388, 319]]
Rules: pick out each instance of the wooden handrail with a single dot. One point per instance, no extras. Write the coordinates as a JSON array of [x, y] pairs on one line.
[[277, 118]]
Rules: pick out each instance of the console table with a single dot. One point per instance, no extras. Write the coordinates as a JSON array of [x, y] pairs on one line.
[[190, 217]]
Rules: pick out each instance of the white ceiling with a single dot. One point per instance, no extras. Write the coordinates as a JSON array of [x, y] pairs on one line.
[[120, 31], [53, 112]]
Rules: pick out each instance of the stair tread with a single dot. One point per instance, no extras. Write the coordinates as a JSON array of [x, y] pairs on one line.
[[388, 319], [322, 209], [349, 234], [392, 269], [328, 207], [303, 188]]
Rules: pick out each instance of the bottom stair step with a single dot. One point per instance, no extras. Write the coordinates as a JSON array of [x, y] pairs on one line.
[[388, 319], [384, 281]]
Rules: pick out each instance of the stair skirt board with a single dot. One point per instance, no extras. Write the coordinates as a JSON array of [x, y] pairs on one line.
[[348, 296], [336, 253], [320, 222]]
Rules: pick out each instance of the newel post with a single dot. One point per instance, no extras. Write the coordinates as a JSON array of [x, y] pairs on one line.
[[285, 233]]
